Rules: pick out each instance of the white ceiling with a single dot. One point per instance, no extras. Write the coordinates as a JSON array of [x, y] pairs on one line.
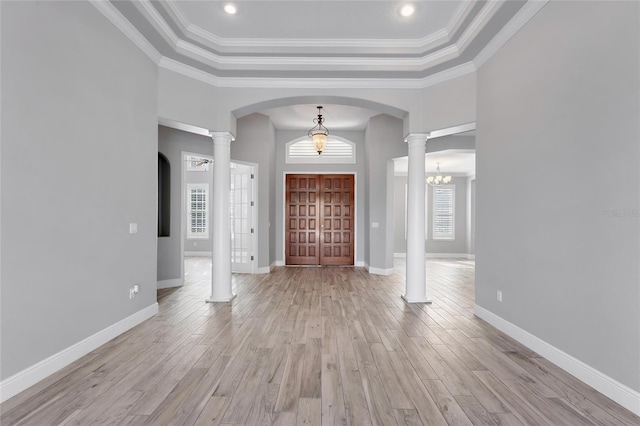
[[452, 162], [320, 19]]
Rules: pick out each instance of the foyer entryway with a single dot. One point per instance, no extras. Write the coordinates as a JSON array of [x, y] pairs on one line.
[[319, 223]]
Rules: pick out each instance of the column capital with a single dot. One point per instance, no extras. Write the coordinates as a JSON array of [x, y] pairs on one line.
[[222, 137], [416, 137]]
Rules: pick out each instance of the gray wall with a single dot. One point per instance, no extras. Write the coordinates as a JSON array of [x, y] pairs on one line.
[[459, 245], [471, 220], [559, 183], [384, 141], [284, 136], [172, 143], [255, 143], [79, 163]]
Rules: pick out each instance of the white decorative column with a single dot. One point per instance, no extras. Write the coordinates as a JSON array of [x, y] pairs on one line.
[[221, 290], [416, 274]]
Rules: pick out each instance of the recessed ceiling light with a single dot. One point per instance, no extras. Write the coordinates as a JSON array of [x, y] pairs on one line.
[[407, 10], [230, 9]]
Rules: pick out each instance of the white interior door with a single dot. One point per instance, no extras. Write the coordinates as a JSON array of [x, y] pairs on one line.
[[241, 211]]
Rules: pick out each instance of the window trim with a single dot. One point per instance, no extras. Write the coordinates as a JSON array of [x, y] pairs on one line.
[[434, 234], [204, 235]]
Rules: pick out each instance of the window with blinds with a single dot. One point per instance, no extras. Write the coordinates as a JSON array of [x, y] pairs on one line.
[[198, 209], [338, 150], [444, 212]]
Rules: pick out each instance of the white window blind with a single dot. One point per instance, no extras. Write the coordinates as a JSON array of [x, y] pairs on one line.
[[336, 151], [444, 212], [198, 210]]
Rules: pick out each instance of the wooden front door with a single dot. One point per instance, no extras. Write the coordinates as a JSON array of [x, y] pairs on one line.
[[319, 220]]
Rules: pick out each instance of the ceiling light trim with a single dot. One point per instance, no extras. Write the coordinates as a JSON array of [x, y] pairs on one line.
[[307, 63], [316, 83], [316, 63], [431, 41]]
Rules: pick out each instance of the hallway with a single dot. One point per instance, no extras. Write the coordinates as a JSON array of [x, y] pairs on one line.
[[330, 345]]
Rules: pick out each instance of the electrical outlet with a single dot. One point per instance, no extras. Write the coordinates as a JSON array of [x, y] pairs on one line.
[[133, 291], [499, 296]]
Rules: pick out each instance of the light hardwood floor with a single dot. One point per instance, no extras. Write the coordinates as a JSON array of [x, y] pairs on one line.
[[311, 346]]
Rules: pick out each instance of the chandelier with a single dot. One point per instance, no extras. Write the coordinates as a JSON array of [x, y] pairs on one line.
[[318, 133], [438, 179]]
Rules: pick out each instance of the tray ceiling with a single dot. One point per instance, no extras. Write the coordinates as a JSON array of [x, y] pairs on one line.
[[319, 39]]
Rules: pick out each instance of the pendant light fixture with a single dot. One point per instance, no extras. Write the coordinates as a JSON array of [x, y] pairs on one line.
[[438, 179], [319, 133]]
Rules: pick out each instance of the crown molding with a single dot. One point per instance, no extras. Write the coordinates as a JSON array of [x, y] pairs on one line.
[[189, 71], [460, 15], [479, 22], [317, 83], [431, 41], [157, 21], [244, 62], [176, 13], [119, 21], [115, 17], [528, 11]]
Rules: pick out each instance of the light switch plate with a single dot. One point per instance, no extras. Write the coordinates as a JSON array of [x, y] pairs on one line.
[[133, 228]]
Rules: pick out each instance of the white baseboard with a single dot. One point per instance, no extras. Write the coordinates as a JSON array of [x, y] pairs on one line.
[[263, 270], [176, 282], [359, 264], [197, 254], [440, 256], [451, 256], [620, 393], [32, 375], [279, 263], [380, 271]]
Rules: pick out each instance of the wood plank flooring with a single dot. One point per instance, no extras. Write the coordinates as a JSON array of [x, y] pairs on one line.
[[314, 346]]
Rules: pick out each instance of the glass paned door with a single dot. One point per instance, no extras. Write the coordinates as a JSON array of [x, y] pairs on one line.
[[241, 212]]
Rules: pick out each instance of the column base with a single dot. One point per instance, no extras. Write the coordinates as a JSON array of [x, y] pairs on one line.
[[220, 300], [422, 300]]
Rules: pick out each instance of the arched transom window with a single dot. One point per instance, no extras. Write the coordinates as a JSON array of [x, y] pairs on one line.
[[338, 150]]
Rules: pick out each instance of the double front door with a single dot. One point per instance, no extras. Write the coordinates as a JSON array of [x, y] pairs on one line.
[[319, 219]]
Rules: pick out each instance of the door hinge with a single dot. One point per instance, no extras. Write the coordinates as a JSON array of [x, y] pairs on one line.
[[252, 204], [252, 230], [251, 257], [252, 175]]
